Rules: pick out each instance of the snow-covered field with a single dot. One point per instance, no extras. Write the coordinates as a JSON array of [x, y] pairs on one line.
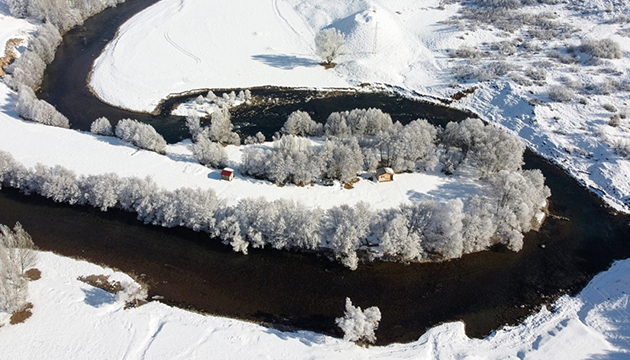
[[73, 320]]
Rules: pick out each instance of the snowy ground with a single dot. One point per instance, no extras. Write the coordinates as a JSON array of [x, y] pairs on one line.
[[73, 320], [194, 44]]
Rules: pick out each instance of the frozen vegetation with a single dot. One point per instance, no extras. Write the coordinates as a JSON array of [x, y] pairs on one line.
[[507, 206], [546, 70]]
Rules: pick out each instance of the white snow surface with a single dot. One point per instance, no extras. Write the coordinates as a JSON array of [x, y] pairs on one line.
[[73, 320]]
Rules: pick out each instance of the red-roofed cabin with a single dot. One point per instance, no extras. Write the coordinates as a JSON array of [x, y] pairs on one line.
[[227, 174]]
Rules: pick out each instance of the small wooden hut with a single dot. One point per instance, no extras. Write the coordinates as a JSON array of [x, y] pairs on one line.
[[384, 174]]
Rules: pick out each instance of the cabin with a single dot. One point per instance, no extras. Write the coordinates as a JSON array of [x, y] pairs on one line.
[[384, 174], [227, 174]]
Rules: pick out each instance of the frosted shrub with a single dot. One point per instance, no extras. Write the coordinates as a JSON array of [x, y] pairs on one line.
[[141, 135], [521, 80], [132, 294], [536, 74], [605, 48], [561, 94], [300, 123], [102, 126], [259, 138], [358, 325], [622, 147], [329, 44], [466, 52]]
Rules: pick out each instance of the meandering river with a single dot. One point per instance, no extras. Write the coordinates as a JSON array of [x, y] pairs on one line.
[[285, 289]]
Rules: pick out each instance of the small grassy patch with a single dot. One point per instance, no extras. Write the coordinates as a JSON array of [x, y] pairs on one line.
[[328, 65], [33, 274], [102, 282], [21, 315]]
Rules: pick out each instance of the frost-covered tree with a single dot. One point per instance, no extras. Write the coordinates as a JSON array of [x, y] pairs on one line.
[[100, 191], [12, 173], [336, 125], [478, 225], [329, 44], [141, 135], [19, 245], [342, 159], [443, 235], [300, 123], [56, 183], [209, 153], [409, 147], [343, 229], [29, 107], [102, 126], [62, 14], [292, 160], [357, 122], [486, 148], [397, 239], [193, 123], [517, 197], [221, 128], [359, 325]]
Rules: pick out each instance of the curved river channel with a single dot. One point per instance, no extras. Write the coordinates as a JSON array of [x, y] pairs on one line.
[[289, 290]]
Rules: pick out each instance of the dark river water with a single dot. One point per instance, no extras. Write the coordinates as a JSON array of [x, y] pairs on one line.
[[290, 290]]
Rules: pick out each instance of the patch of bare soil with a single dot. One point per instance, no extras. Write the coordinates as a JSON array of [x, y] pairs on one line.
[[21, 315], [9, 54], [33, 274]]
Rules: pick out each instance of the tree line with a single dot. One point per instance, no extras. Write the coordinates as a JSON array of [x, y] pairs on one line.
[[505, 209]]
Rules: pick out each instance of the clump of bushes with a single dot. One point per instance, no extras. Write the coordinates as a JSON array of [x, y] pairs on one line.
[[602, 49], [560, 94]]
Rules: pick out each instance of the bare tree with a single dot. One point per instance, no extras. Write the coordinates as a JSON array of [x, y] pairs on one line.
[[16, 256]]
